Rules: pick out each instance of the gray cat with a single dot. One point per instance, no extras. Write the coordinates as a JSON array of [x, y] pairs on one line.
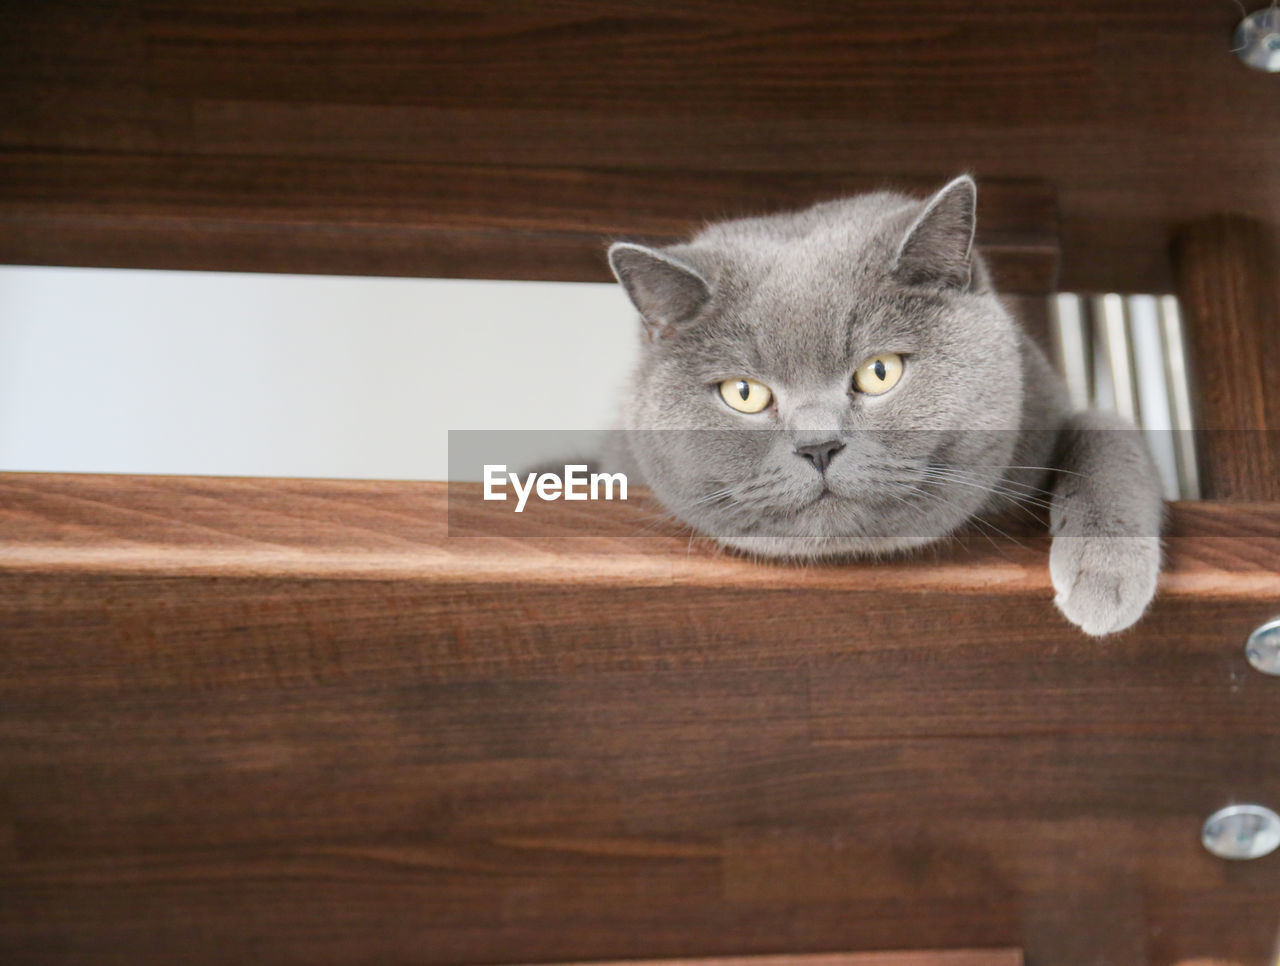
[[843, 381]]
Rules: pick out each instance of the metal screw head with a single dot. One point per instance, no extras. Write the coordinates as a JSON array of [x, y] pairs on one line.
[[1263, 647], [1241, 832], [1257, 40]]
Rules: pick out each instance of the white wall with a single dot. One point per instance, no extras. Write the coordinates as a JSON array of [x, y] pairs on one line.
[[290, 375]]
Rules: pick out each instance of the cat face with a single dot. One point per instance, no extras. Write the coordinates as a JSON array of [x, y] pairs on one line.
[[835, 381]]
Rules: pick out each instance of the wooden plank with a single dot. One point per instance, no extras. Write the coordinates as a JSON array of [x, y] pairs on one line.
[[927, 957], [1229, 287], [256, 214], [601, 57], [1137, 114], [206, 525], [325, 720], [111, 524]]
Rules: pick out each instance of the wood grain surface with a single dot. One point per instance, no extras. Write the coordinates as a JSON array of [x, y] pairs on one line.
[[976, 957], [299, 721], [1229, 289], [393, 218], [1137, 114]]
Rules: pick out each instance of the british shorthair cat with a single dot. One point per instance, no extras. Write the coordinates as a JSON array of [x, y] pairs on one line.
[[843, 381]]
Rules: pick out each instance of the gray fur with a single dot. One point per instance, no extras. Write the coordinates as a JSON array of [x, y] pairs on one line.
[[978, 422]]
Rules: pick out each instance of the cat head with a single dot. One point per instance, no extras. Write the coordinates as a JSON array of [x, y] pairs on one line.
[[837, 380]]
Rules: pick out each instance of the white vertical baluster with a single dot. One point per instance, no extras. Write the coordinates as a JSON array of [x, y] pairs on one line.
[[1071, 345]]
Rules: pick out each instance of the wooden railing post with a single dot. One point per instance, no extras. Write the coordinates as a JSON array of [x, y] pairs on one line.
[[1228, 277]]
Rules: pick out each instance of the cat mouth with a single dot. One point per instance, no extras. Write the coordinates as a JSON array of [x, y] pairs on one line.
[[826, 495]]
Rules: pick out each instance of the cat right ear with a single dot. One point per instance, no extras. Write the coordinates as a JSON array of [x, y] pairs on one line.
[[665, 291]]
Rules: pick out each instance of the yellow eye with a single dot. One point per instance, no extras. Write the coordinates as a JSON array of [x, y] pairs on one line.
[[878, 374], [745, 395]]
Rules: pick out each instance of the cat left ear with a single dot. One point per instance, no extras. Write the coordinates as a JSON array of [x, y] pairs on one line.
[[665, 290], [938, 247]]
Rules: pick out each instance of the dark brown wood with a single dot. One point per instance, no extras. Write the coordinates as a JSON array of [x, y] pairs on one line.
[[1137, 113], [1229, 288], [380, 218], [333, 720], [975, 957]]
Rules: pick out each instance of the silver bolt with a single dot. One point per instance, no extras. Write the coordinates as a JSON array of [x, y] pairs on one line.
[[1263, 647], [1257, 40], [1241, 832]]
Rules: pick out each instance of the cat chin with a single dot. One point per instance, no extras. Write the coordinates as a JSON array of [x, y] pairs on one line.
[[800, 549]]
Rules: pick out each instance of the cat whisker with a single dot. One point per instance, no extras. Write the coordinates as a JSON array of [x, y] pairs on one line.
[[1046, 469], [714, 496], [1001, 486], [975, 518], [953, 537], [1022, 501], [1004, 481], [1017, 499]]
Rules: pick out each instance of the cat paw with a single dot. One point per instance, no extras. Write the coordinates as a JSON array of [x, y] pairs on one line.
[[1104, 583]]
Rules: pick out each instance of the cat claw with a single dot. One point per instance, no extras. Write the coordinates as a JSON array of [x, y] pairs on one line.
[[1104, 583]]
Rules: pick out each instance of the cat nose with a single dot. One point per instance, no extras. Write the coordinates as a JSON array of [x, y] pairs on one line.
[[819, 454]]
